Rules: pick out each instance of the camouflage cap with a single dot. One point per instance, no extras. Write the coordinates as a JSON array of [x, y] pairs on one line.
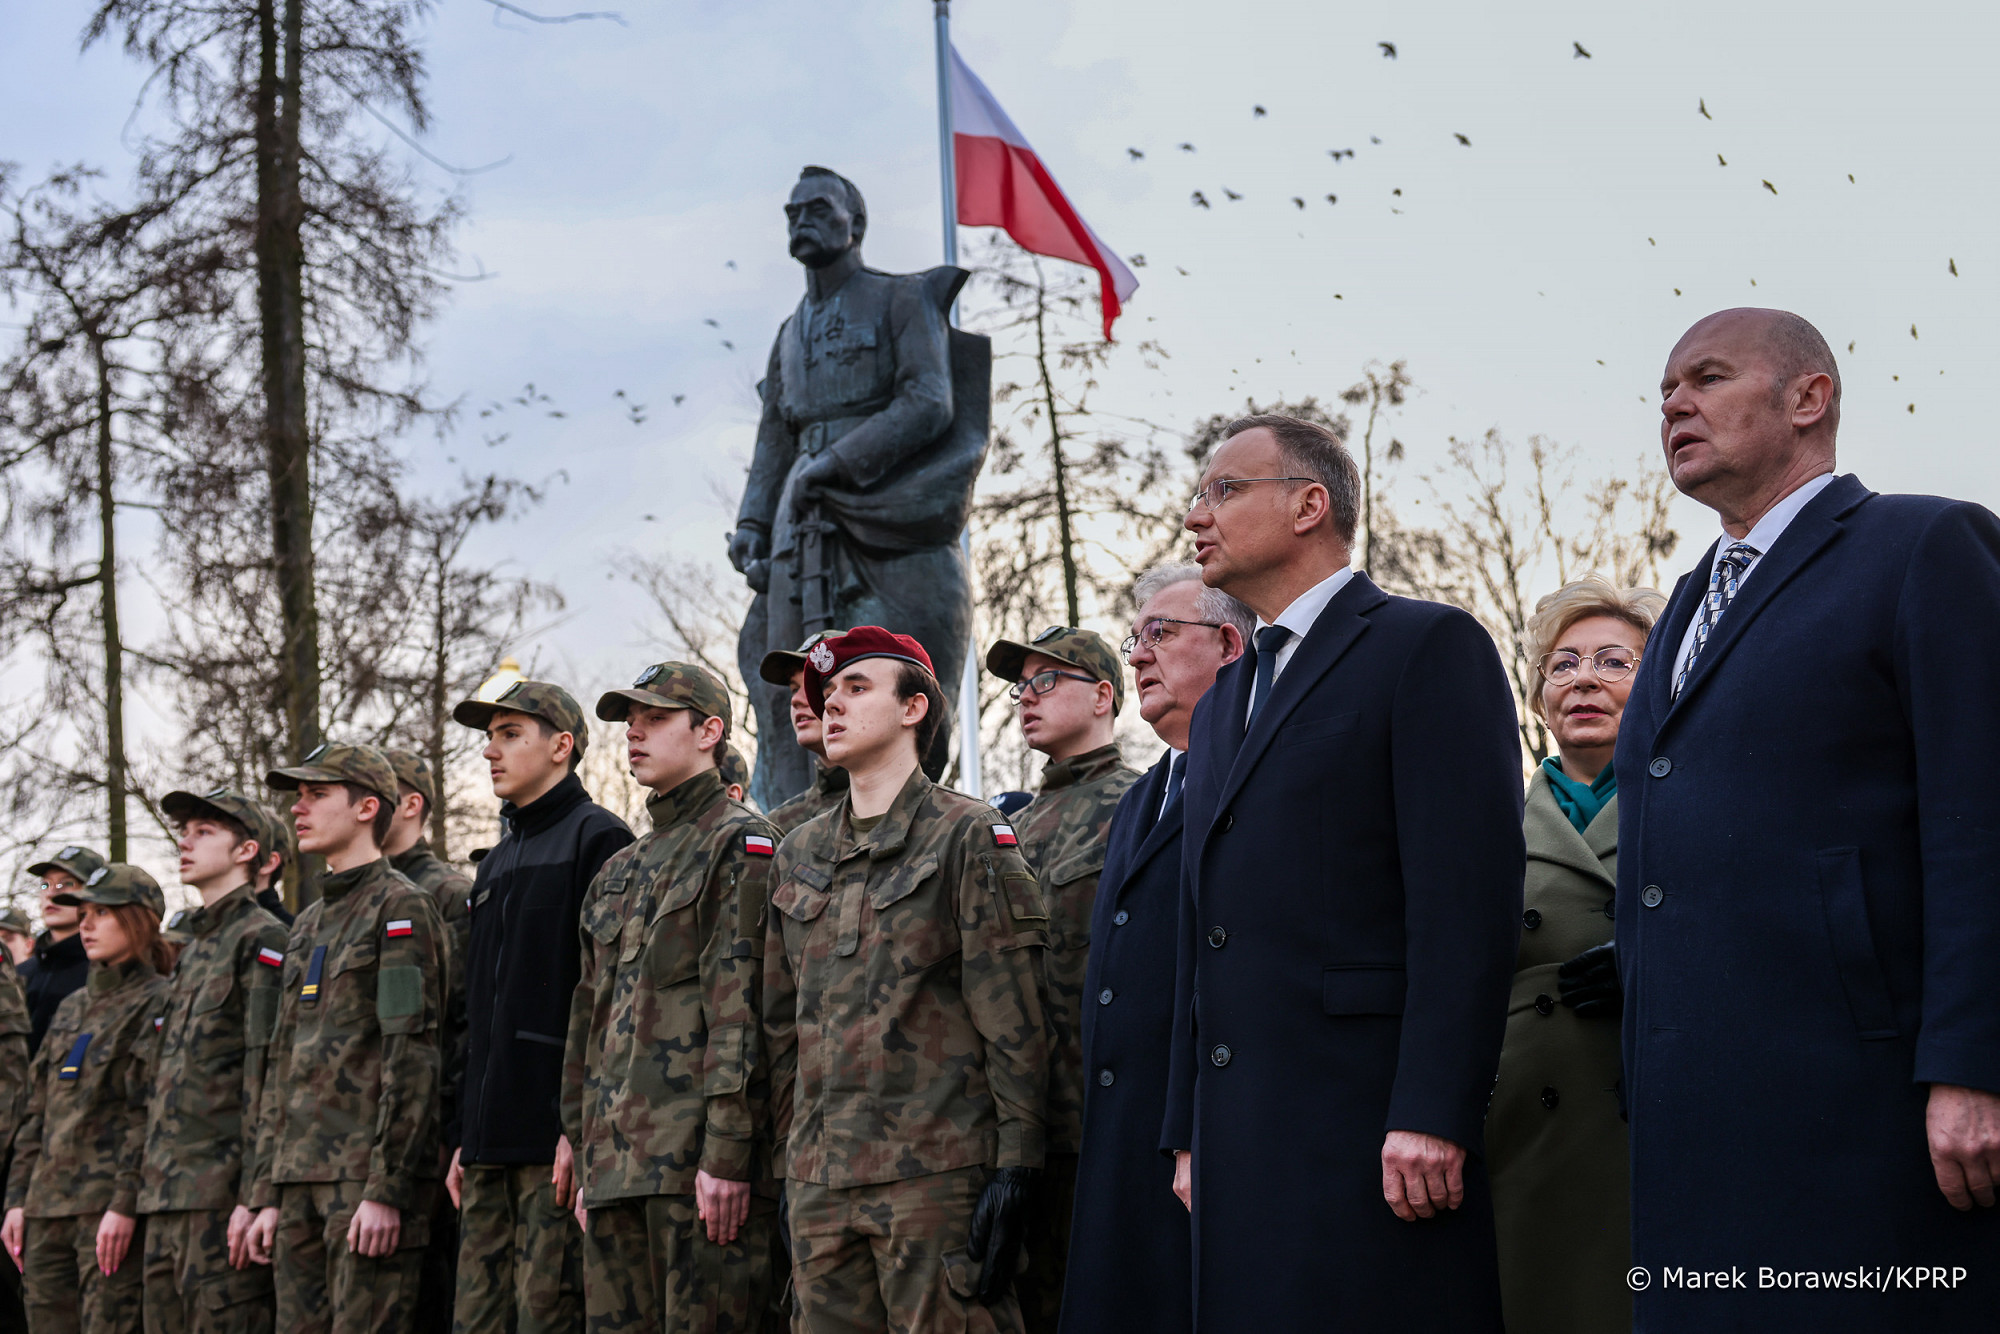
[[780, 665], [669, 685], [224, 803], [364, 766], [115, 884], [1085, 650], [79, 862], [274, 834], [13, 919], [538, 699], [413, 771], [734, 769]]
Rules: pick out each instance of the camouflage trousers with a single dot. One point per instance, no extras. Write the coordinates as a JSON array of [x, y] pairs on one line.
[[324, 1288], [520, 1256], [1047, 1245], [65, 1293], [190, 1287], [648, 1266], [891, 1259]]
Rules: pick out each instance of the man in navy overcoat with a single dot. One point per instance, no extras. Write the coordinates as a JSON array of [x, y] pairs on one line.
[[1128, 1254], [1353, 860], [1808, 912]]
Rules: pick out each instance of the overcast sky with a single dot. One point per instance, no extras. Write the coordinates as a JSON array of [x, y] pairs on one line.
[[1533, 279]]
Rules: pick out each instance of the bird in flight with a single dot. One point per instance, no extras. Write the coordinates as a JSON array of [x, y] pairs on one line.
[[1913, 331], [1954, 267], [728, 263], [679, 399], [1302, 203], [1136, 261], [1333, 199], [1198, 199], [1233, 196], [1701, 105], [1388, 50], [1461, 138], [1721, 159], [1772, 188], [731, 346], [1134, 153], [1258, 111], [1187, 148], [1581, 54], [711, 324], [1338, 153]]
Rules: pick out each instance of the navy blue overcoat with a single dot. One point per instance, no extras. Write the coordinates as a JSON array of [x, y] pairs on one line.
[[1808, 923], [1351, 907], [1128, 1251]]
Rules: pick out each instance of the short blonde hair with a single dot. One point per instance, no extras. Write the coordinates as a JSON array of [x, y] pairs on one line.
[[1592, 595]]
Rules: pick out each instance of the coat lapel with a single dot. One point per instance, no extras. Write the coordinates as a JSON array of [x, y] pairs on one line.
[[1552, 838], [1165, 833], [1817, 525], [1340, 623]]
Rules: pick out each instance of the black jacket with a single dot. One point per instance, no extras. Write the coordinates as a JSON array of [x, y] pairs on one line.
[[522, 967], [56, 968]]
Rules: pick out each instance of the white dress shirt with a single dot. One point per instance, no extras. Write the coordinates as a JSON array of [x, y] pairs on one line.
[[1762, 537], [1299, 618]]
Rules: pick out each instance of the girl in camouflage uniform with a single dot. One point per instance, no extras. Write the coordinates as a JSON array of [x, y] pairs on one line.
[[72, 1195]]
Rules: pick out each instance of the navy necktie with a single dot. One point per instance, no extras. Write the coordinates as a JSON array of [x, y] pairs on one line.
[[1269, 640], [1722, 588], [1176, 775]]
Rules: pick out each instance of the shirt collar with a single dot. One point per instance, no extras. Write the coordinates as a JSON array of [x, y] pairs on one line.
[[1092, 764], [336, 885], [1772, 526], [684, 802], [109, 977], [890, 836], [1306, 607], [203, 919]]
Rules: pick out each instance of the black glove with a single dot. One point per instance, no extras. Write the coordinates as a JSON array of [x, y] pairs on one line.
[[998, 1221], [1589, 984]]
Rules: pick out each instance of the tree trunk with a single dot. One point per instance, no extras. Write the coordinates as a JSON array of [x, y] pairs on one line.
[[281, 309], [107, 579], [1064, 537]]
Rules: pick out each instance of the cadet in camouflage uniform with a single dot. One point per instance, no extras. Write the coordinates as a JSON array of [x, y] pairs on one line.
[[1070, 688], [829, 780], [15, 1025], [409, 851], [220, 1012], [735, 773], [274, 836], [74, 1186], [664, 1089], [903, 1016], [346, 1164]]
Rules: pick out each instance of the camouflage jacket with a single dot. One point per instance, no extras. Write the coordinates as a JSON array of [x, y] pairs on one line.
[[208, 1077], [451, 891], [829, 782], [15, 1025], [902, 994], [1063, 833], [663, 1070], [77, 1151], [351, 1089]]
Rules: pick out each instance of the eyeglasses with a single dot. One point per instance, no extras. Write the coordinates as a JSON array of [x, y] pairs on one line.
[[1041, 683], [1610, 664], [1219, 490], [1155, 631]]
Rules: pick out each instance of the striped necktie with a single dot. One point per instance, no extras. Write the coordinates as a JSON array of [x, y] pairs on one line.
[[1722, 587]]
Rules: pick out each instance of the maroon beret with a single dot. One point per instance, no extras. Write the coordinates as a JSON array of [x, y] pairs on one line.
[[829, 657]]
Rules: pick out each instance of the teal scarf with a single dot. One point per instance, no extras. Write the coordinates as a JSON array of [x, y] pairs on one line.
[[1581, 804]]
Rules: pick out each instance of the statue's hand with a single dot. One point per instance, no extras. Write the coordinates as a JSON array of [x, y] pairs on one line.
[[758, 576], [823, 472], [747, 545]]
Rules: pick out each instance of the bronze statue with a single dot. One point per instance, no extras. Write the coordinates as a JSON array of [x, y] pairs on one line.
[[874, 428]]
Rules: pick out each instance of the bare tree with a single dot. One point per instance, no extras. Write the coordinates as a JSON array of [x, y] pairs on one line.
[[1381, 388], [701, 610]]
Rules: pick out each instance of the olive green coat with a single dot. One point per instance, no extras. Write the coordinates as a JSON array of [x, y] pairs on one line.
[[1555, 1144]]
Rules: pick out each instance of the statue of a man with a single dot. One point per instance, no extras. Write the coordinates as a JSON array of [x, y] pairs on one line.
[[873, 431]]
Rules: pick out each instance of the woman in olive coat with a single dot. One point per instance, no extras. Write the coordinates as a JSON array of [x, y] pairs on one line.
[[1555, 1143]]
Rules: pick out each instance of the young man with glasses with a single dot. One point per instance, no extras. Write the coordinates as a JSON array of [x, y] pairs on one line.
[[1069, 687], [58, 966]]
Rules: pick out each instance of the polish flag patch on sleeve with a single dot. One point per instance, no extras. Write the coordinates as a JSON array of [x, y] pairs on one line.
[[270, 958], [759, 846], [400, 927], [1003, 836]]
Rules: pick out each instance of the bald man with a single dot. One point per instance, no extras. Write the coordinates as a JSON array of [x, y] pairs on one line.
[[1807, 915]]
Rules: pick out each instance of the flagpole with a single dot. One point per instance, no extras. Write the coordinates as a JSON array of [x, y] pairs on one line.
[[968, 693]]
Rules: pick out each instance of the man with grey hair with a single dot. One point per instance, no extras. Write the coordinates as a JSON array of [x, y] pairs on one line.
[[1352, 863], [1806, 921], [1129, 1260]]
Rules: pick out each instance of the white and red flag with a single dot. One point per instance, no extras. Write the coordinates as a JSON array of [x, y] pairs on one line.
[[1001, 182]]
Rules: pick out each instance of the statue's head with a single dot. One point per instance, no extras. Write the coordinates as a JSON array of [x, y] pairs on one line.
[[826, 216]]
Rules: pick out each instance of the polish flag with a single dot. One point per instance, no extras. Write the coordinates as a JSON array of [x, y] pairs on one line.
[[1002, 183]]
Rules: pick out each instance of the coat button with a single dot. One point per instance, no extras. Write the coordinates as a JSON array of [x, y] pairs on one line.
[[1104, 1078], [1550, 1098], [1545, 1004], [1226, 823], [1531, 919], [1121, 917], [1217, 938], [1220, 1056], [1104, 996], [1651, 896], [1611, 908], [1660, 767]]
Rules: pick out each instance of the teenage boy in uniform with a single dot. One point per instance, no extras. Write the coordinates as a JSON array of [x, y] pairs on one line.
[[829, 780], [909, 1059], [347, 1160], [58, 966], [213, 1039], [664, 1089], [520, 1258]]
